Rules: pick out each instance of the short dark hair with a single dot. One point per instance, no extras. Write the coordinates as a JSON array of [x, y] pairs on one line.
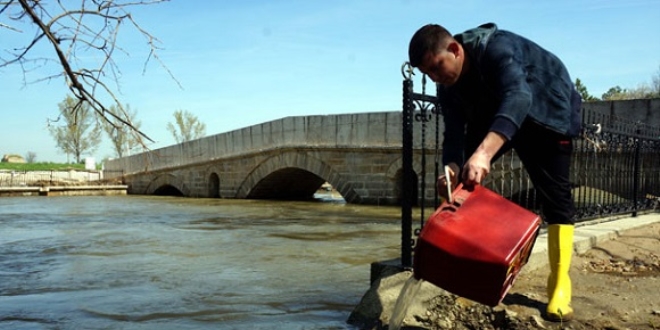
[[429, 38]]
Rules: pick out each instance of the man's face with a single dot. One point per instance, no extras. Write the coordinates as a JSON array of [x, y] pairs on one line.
[[444, 67]]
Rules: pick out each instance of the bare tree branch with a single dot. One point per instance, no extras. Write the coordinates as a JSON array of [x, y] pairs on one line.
[[94, 27], [5, 26]]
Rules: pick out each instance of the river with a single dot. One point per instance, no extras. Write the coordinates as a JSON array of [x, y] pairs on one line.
[[159, 262]]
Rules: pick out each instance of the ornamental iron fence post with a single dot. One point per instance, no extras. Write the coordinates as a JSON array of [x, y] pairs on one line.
[[417, 107], [636, 173], [406, 167]]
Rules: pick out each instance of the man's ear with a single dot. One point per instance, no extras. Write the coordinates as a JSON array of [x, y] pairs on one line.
[[455, 48]]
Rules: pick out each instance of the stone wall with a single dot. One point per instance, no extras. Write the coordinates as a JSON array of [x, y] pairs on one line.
[[9, 178], [643, 111], [622, 115]]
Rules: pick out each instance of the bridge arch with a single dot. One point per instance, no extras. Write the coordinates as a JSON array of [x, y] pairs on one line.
[[395, 174], [163, 184], [397, 165], [296, 175], [214, 185], [213, 182]]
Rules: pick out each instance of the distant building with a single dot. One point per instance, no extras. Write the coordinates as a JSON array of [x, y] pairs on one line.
[[7, 158]]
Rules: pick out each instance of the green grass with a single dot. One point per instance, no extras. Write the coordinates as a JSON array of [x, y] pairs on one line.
[[40, 166]]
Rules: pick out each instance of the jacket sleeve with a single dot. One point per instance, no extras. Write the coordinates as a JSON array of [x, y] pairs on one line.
[[504, 70]]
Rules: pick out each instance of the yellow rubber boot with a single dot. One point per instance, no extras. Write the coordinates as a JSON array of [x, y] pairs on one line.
[[560, 249]]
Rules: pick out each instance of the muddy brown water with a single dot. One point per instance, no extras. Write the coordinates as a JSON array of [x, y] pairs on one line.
[[148, 262]]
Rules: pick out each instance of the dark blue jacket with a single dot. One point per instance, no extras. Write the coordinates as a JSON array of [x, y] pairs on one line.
[[510, 80]]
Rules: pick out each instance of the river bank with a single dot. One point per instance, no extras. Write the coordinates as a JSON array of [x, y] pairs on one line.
[[58, 183], [65, 190], [615, 272]]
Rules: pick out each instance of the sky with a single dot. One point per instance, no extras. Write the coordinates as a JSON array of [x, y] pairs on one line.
[[233, 64]]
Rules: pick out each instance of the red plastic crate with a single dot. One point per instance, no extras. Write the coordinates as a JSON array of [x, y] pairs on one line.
[[476, 246]]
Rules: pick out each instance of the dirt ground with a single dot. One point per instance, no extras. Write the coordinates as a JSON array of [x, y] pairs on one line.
[[616, 286]]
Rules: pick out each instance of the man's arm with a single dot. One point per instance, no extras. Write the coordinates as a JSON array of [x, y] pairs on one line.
[[502, 64], [506, 72], [478, 165]]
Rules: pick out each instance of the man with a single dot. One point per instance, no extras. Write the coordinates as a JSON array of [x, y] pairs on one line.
[[501, 91]]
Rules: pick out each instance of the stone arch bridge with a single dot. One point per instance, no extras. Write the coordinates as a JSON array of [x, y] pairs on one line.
[[289, 158]]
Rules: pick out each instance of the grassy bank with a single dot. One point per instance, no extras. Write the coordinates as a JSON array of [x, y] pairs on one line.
[[40, 166]]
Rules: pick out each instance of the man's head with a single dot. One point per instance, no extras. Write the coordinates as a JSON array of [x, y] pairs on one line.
[[437, 54]]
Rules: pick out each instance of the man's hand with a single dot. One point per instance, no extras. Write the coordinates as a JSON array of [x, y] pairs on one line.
[[477, 167], [453, 178]]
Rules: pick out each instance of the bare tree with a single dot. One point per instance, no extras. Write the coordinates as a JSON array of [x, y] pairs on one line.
[[188, 127], [655, 83], [80, 133], [120, 134], [31, 157], [88, 27]]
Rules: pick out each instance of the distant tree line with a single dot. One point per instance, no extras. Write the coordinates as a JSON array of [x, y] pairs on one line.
[[643, 91], [78, 130]]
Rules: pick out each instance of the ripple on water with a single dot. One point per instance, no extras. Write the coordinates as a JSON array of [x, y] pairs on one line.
[[147, 262]]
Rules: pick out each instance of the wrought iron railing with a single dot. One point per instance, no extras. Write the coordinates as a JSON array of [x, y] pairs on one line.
[[615, 169]]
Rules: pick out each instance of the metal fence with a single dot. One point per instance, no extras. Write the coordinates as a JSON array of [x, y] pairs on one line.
[[615, 169]]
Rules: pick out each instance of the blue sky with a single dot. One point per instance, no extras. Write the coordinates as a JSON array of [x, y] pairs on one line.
[[241, 63]]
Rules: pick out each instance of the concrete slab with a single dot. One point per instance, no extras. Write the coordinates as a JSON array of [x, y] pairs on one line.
[[588, 234]]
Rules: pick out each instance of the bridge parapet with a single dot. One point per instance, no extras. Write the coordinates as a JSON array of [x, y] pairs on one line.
[[346, 131]]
